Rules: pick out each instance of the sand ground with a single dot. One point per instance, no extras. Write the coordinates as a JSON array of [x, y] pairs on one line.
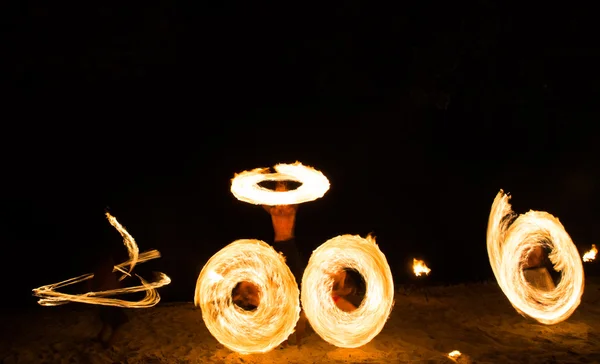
[[475, 319]]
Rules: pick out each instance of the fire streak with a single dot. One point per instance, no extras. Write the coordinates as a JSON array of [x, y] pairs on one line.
[[511, 238], [355, 328], [245, 185], [50, 297], [273, 321]]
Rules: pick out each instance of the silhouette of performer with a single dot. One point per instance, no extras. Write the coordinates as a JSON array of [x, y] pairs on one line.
[[537, 267], [112, 318], [283, 218]]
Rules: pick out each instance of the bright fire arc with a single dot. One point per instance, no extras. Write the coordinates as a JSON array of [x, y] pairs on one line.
[[510, 238], [50, 297]]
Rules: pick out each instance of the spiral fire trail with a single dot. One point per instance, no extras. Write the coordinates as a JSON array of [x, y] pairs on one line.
[[510, 239]]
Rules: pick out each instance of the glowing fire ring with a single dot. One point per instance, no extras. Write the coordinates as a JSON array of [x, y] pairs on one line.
[[509, 241], [50, 297], [273, 321], [245, 185], [358, 327]]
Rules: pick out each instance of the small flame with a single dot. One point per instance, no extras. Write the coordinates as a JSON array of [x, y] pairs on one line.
[[590, 254], [454, 354], [419, 267]]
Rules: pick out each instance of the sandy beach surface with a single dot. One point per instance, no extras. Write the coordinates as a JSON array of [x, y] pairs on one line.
[[426, 324]]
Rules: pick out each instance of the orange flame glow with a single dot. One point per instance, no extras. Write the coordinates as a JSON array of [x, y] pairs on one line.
[[590, 255], [454, 354], [419, 267]]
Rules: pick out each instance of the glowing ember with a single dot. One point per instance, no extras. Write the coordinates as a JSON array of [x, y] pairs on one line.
[[454, 354], [419, 267], [509, 241], [245, 185], [50, 297], [358, 327], [273, 321], [590, 254]]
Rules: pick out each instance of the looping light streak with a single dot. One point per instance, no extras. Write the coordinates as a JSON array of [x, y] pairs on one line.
[[355, 328], [273, 321], [50, 297], [509, 241], [245, 185]]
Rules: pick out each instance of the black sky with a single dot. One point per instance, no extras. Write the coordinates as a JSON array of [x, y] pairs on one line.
[[417, 114]]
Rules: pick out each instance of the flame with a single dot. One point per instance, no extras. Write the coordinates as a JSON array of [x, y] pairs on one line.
[[245, 185], [358, 327], [50, 297], [590, 254], [419, 267], [508, 243], [273, 321], [454, 354]]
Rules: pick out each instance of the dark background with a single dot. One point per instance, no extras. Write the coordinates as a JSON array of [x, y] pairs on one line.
[[418, 114]]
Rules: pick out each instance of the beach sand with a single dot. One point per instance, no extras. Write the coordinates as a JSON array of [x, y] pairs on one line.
[[475, 319]]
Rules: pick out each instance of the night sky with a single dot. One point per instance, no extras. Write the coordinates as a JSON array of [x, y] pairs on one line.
[[418, 115]]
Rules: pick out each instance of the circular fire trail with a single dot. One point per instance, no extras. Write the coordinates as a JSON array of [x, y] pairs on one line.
[[510, 239], [355, 328], [245, 185], [263, 328]]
